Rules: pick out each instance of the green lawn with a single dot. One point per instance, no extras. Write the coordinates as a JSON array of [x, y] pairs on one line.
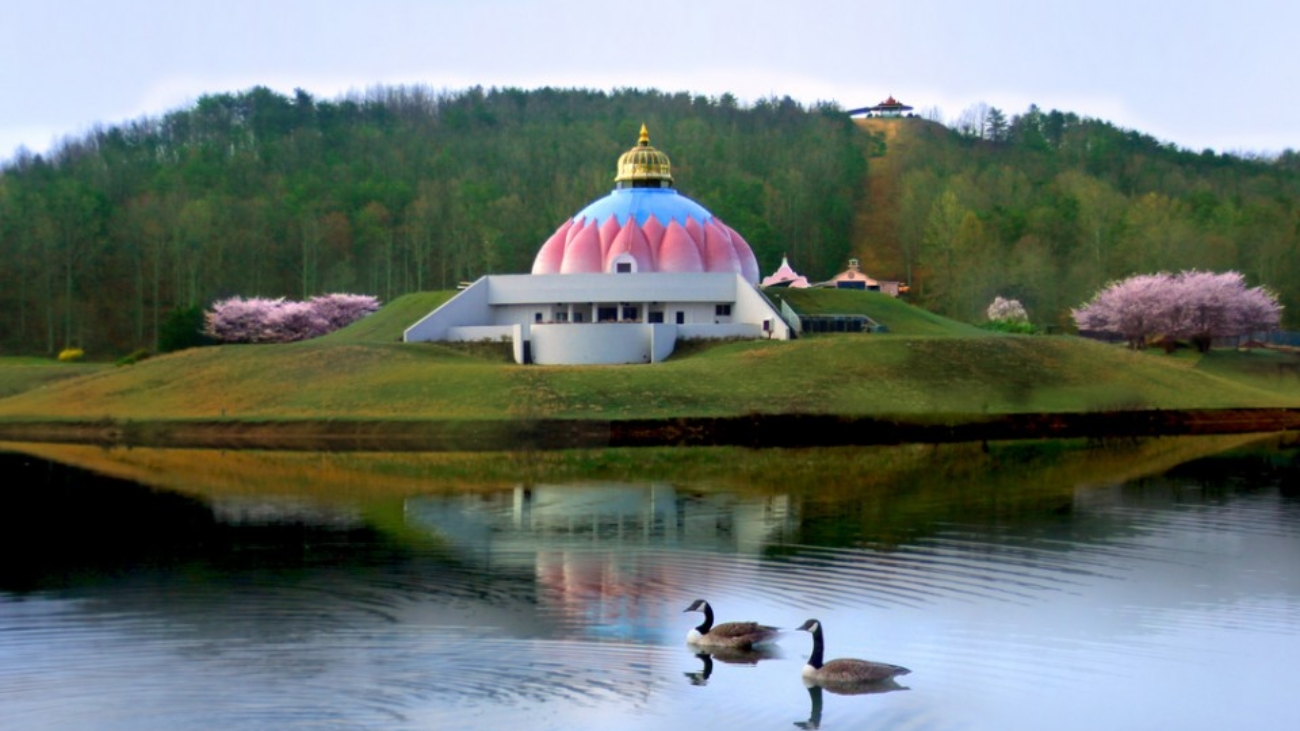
[[24, 374], [386, 325], [925, 366], [895, 314], [1268, 370]]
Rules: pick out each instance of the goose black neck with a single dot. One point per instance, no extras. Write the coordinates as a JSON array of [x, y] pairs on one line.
[[708, 620], [815, 659]]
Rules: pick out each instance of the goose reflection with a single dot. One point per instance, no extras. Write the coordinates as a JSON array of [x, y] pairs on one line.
[[815, 713], [815, 696], [729, 656]]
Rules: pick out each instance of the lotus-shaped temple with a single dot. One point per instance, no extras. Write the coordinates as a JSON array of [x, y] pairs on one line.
[[619, 282]]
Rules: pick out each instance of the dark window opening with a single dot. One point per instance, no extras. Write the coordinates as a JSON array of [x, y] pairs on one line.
[[656, 317], [623, 267], [681, 317], [722, 311]]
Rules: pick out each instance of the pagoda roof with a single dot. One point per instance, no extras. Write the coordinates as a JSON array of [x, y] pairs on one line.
[[785, 276], [889, 105]]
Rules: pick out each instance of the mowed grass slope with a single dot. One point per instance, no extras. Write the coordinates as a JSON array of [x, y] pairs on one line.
[[925, 366], [900, 317], [24, 374], [387, 325]]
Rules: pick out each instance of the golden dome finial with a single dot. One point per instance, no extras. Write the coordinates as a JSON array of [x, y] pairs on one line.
[[643, 166]]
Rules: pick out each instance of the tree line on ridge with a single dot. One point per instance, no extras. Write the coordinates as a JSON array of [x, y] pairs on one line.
[[402, 189]]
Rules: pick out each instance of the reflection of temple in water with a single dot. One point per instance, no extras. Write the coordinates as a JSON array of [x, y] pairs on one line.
[[540, 518], [597, 550]]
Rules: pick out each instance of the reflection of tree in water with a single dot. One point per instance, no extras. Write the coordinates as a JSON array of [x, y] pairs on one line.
[[74, 527], [918, 491]]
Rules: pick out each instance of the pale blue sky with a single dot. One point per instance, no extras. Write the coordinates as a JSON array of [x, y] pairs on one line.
[[1195, 73]]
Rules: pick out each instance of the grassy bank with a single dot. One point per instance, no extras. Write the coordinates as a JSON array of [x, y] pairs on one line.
[[924, 366]]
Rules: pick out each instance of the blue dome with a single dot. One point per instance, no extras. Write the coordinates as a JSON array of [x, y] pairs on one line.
[[665, 203]]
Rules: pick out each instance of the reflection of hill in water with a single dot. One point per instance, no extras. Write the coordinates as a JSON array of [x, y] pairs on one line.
[[592, 559], [883, 496]]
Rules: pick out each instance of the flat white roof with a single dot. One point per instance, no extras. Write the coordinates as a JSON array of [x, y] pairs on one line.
[[521, 289]]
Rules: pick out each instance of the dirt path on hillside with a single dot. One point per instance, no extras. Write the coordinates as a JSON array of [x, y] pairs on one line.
[[875, 223]]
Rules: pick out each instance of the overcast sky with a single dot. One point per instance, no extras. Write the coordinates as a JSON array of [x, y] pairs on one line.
[[1224, 75]]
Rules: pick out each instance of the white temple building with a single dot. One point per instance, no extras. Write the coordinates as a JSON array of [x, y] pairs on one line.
[[620, 282]]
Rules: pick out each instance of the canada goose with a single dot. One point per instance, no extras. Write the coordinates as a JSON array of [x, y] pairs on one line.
[[845, 671], [727, 634]]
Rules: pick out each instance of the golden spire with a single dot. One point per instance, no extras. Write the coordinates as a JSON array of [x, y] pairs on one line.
[[643, 166]]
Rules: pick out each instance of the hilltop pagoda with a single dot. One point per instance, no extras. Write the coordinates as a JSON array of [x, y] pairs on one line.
[[890, 107]]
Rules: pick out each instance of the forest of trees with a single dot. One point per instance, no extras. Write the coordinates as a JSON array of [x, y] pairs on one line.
[[1048, 207], [401, 189], [393, 190]]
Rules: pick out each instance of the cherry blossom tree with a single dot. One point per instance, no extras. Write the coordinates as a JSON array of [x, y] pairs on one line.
[[1005, 310], [1136, 308], [340, 310], [1193, 305], [1008, 316], [294, 321], [239, 320], [262, 320]]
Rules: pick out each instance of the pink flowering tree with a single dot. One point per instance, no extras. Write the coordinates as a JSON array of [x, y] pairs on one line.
[[1006, 310], [262, 320], [1209, 305], [1008, 316], [239, 320], [1136, 309], [294, 321], [340, 310], [1193, 305]]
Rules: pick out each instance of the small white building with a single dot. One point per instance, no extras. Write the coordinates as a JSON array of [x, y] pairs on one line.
[[620, 282]]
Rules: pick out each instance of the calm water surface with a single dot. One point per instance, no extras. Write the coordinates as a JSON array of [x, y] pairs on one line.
[[1170, 600]]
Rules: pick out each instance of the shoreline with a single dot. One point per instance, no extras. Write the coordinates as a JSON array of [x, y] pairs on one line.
[[750, 430]]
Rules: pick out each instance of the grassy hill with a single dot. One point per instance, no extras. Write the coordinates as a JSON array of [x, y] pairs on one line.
[[387, 325], [895, 314], [925, 366]]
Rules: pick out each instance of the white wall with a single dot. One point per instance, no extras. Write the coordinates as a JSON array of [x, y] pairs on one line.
[[506, 306], [469, 307], [475, 333], [745, 330], [751, 306], [592, 344], [663, 341]]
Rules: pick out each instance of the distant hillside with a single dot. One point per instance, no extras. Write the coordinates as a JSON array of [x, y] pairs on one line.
[[404, 190], [1047, 207]]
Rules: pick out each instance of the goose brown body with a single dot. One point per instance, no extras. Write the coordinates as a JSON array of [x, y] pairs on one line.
[[726, 634], [843, 671]]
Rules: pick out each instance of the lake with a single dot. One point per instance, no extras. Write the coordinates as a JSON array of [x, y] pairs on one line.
[[1130, 585]]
